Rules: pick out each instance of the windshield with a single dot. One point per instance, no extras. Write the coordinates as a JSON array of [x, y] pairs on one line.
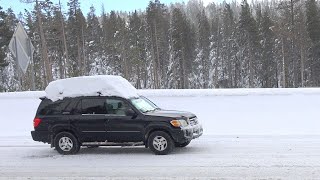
[[143, 104]]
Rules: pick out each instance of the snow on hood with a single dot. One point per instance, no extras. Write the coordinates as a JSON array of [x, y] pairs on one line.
[[103, 85]]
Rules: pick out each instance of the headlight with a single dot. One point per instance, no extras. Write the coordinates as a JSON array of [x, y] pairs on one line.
[[179, 123]]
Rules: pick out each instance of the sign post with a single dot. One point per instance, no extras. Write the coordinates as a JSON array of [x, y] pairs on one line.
[[31, 50], [22, 49]]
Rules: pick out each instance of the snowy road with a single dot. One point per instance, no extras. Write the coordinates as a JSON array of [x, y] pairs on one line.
[[247, 157]]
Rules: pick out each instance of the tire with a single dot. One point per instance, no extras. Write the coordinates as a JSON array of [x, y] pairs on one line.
[[66, 143], [160, 143], [183, 144]]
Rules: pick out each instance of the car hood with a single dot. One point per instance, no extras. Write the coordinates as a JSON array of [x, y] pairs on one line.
[[170, 113]]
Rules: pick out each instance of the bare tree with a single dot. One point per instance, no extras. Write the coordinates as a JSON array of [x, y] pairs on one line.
[[44, 48]]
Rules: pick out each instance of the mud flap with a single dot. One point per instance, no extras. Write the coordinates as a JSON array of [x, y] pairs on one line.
[[52, 141]]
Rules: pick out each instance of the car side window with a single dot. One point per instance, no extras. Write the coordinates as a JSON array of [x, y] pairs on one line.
[[53, 108], [94, 106], [117, 107]]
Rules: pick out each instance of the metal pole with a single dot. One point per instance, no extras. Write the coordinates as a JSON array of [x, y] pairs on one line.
[[33, 85]]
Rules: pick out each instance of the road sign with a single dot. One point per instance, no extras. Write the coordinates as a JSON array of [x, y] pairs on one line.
[[21, 47]]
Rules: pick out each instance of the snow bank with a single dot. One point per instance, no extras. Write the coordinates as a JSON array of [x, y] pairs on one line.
[[104, 85], [227, 92], [190, 92], [222, 112], [22, 95], [294, 114]]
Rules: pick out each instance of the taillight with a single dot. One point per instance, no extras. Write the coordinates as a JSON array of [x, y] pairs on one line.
[[36, 122]]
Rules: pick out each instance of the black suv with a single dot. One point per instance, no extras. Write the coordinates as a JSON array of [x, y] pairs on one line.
[[94, 121]]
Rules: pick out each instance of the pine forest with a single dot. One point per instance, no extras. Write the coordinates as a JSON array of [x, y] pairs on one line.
[[257, 44]]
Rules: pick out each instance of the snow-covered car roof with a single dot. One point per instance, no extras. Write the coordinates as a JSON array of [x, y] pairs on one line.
[[100, 85]]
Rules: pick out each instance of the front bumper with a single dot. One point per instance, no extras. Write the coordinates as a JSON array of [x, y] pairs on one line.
[[192, 132], [188, 133]]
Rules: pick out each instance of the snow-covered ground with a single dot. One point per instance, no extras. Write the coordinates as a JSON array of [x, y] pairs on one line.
[[222, 112], [210, 157], [248, 133]]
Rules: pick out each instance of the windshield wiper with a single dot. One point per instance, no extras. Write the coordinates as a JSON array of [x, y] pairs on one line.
[[149, 111]]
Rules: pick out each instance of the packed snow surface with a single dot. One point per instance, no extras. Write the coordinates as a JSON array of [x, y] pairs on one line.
[[103, 85], [209, 157]]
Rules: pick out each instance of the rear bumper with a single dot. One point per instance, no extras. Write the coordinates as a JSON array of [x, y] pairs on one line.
[[42, 136]]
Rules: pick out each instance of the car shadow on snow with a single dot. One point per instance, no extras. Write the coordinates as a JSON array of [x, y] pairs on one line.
[[42, 154], [114, 150], [138, 150]]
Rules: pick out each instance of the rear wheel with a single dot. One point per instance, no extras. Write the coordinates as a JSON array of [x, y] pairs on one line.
[[66, 143], [182, 144], [160, 143]]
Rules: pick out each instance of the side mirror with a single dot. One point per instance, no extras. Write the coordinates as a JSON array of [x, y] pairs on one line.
[[130, 112]]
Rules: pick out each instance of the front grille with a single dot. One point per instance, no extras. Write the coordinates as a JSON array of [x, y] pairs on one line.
[[193, 121]]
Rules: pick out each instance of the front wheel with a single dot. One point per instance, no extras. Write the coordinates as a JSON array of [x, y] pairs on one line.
[[66, 143], [182, 144], [160, 143]]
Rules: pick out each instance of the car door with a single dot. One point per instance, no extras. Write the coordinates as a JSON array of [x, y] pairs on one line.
[[90, 120], [120, 127]]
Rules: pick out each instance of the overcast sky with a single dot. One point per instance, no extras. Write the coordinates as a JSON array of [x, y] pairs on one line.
[[118, 5]]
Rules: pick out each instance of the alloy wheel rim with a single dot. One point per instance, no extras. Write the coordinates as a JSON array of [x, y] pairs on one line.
[[65, 143], [160, 143]]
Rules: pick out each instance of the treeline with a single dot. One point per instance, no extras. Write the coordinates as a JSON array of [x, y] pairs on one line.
[[265, 44]]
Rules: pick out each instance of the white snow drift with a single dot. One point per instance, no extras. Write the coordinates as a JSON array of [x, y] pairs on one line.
[[221, 112], [103, 85]]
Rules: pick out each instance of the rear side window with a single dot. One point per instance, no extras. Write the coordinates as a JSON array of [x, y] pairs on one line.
[[94, 106], [47, 107]]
